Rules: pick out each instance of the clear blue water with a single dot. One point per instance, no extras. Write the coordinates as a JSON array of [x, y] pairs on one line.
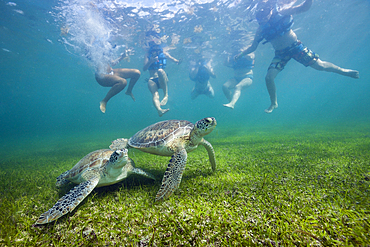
[[48, 93]]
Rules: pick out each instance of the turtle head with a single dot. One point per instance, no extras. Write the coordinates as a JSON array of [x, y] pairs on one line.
[[119, 157], [205, 125]]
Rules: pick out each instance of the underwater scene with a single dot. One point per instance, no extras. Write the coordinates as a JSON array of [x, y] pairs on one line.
[[184, 123]]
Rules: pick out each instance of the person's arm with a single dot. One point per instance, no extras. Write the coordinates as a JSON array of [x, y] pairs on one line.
[[213, 75], [114, 62], [148, 62], [193, 73], [306, 5], [210, 69], [171, 57], [211, 72], [250, 56], [257, 39]]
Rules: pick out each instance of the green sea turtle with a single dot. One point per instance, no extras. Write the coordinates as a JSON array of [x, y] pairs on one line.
[[99, 168], [173, 138]]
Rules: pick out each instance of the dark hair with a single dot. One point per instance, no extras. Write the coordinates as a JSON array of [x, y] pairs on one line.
[[264, 9], [263, 13]]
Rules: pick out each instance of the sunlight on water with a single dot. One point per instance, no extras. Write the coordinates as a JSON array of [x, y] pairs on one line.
[[59, 45], [86, 31], [97, 30], [306, 161]]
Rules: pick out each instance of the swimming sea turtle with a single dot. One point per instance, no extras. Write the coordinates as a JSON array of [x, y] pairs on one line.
[[99, 168], [172, 138]]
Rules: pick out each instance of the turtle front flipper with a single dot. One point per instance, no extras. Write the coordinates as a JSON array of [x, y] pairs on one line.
[[120, 143], [69, 201], [61, 179], [211, 153], [172, 176]]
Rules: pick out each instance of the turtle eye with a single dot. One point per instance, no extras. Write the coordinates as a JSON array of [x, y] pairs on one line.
[[208, 120]]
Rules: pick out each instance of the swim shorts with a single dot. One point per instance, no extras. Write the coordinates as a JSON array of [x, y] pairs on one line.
[[298, 52]]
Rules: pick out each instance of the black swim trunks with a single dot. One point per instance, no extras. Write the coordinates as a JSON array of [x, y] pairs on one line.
[[298, 52], [156, 81]]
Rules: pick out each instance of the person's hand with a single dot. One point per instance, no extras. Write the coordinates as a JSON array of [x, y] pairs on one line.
[[154, 59], [130, 51], [237, 57]]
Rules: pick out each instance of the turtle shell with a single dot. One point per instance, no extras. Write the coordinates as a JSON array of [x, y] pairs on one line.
[[160, 134], [92, 160]]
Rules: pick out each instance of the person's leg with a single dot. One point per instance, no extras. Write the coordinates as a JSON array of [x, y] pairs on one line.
[[194, 93], [271, 88], [133, 75], [329, 67], [117, 84], [210, 93], [246, 82], [154, 90], [226, 88], [163, 80]]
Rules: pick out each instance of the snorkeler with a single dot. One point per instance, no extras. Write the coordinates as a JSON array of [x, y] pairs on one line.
[[243, 78], [155, 61], [117, 80], [201, 74], [275, 27]]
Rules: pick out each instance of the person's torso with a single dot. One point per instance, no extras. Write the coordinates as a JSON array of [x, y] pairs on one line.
[[278, 31], [161, 61], [240, 74], [243, 63], [202, 76], [282, 42]]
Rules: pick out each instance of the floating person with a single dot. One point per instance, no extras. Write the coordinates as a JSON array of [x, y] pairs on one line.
[[243, 78], [116, 79], [200, 74], [155, 62], [275, 26]]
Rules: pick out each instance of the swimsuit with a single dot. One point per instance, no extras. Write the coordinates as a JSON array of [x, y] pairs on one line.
[[298, 52], [102, 74], [156, 81], [202, 89], [249, 75], [155, 51], [242, 63], [278, 25], [203, 74]]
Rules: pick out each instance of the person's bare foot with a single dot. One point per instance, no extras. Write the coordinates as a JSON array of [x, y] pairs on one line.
[[271, 108], [162, 112], [130, 94], [164, 100], [229, 106], [352, 73], [103, 106]]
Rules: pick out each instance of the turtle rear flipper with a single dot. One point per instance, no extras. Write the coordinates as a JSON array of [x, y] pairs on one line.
[[120, 143], [172, 176], [69, 201]]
